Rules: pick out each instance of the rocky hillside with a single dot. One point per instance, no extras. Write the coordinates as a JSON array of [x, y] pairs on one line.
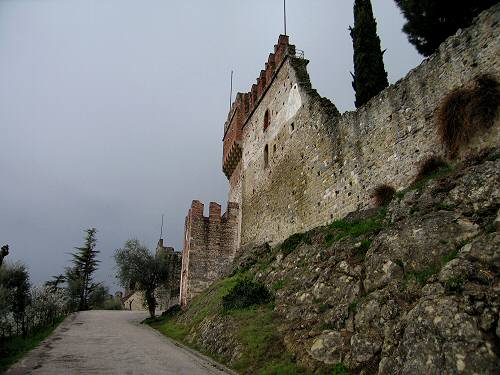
[[411, 288]]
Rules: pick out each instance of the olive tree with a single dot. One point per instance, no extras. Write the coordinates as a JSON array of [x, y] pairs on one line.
[[144, 271]]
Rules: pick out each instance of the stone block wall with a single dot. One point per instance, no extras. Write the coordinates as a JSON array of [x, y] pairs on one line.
[[210, 245], [312, 165], [168, 294]]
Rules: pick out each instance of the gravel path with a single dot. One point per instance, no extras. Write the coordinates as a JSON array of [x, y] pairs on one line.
[[111, 342]]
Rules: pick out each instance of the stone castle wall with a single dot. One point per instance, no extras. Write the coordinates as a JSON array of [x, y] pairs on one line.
[[209, 247], [168, 294], [322, 165]]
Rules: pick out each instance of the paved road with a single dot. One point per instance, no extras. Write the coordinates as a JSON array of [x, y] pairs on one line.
[[111, 342]]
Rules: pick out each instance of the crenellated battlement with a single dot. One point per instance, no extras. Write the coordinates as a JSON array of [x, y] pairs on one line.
[[196, 212], [210, 244], [245, 104]]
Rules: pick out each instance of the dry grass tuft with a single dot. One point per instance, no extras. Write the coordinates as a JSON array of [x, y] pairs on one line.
[[431, 166], [383, 194], [467, 110]]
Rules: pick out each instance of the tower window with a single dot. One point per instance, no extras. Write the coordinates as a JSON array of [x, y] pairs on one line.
[[266, 120], [292, 127], [266, 156]]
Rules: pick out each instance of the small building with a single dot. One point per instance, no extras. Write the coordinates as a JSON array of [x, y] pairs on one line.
[[134, 301]]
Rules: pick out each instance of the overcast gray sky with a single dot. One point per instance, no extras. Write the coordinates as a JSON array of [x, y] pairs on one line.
[[112, 111]]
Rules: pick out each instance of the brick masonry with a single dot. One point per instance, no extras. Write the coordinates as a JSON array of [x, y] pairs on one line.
[[210, 245], [321, 164]]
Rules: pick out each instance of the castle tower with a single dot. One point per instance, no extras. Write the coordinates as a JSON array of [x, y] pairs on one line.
[[259, 152], [242, 111]]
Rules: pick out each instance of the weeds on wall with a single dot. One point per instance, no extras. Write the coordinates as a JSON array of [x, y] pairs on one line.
[[430, 167], [292, 242], [466, 111], [383, 195], [340, 229]]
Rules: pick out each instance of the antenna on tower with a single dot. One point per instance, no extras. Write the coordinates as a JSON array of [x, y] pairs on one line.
[[284, 14], [231, 91], [161, 230]]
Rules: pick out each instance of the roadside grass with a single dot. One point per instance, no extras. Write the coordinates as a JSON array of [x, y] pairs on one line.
[[12, 350], [256, 329], [264, 351], [206, 304]]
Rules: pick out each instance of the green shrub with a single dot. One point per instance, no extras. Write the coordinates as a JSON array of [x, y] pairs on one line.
[[450, 256], [292, 242], [363, 248], [353, 306], [340, 369], [445, 207], [324, 308], [244, 294], [171, 311], [422, 276], [14, 348], [455, 284], [278, 285]]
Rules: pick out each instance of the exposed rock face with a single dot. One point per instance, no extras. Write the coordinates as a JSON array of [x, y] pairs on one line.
[[418, 292]]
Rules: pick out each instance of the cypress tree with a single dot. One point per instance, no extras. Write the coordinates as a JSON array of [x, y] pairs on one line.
[[369, 76], [4, 251], [430, 22], [79, 277]]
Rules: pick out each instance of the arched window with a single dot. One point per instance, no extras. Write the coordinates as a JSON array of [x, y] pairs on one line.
[[266, 120], [266, 156]]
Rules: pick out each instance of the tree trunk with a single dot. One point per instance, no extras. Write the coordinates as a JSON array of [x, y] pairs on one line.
[[151, 302]]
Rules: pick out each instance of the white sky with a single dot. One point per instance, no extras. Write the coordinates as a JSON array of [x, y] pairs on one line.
[[112, 111]]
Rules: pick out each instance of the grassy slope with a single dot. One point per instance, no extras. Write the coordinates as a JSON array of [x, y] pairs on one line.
[[257, 327], [257, 330], [17, 347]]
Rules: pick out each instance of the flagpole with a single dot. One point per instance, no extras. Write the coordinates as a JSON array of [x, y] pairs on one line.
[[231, 92], [284, 13], [161, 230]]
